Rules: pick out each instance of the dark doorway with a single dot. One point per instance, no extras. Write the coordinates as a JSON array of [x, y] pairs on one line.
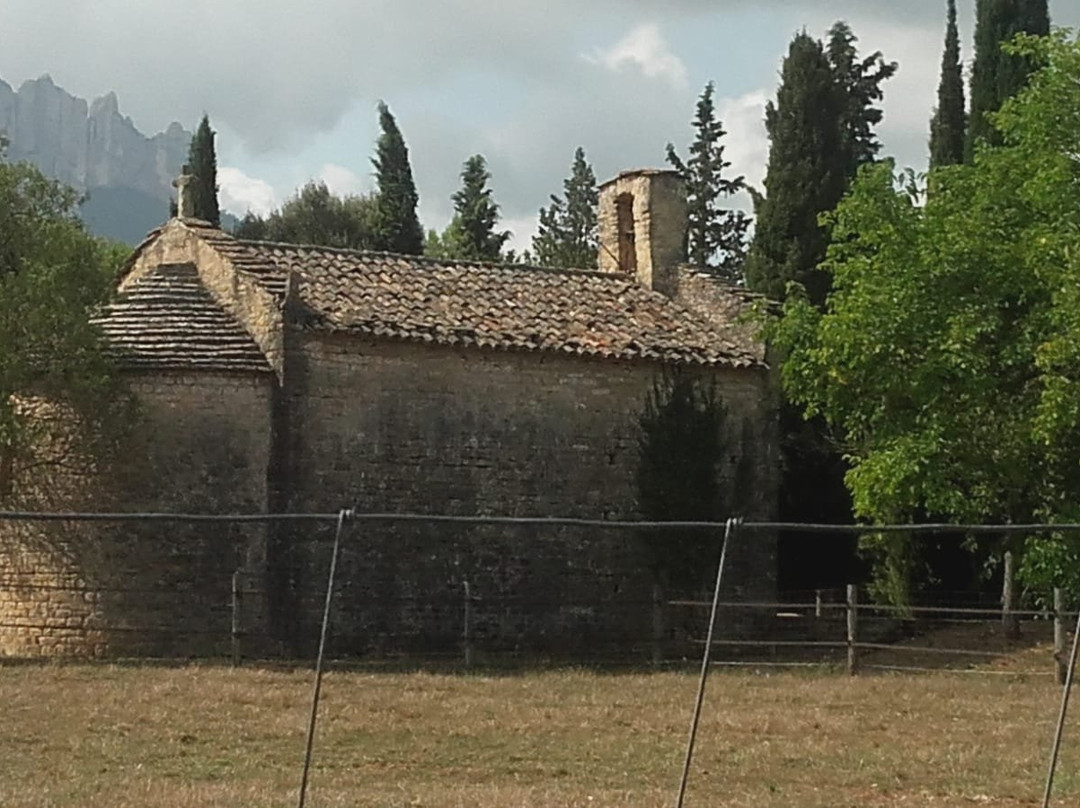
[[624, 206]]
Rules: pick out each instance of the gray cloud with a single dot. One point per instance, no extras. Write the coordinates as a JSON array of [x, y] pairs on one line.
[[276, 71], [276, 74], [529, 153]]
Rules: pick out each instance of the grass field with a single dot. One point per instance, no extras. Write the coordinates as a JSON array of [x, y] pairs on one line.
[[210, 736]]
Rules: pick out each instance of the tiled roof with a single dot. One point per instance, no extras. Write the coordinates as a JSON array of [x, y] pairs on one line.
[[167, 319], [473, 304]]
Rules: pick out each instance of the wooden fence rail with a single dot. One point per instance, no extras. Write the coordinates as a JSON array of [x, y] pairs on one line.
[[854, 643], [856, 617]]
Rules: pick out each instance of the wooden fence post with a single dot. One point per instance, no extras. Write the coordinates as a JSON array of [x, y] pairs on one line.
[[817, 603], [852, 629], [658, 624], [467, 632], [1060, 651], [237, 597], [1009, 624]]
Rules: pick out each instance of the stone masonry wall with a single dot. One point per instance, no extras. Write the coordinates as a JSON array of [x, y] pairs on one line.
[[403, 427], [200, 443], [722, 302]]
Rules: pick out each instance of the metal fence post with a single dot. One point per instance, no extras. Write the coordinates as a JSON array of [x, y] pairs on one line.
[[234, 638], [730, 529], [1060, 728], [1059, 635], [852, 629], [466, 634], [343, 515]]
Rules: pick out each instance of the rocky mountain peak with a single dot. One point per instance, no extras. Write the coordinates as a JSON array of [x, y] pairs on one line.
[[97, 150], [44, 81], [104, 106], [88, 146]]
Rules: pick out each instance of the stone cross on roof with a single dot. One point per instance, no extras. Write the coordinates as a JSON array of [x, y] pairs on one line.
[[185, 197]]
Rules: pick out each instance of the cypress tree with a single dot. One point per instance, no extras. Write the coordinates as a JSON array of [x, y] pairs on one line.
[[471, 234], [821, 129], [805, 174], [566, 236], [996, 75], [716, 237], [398, 227], [680, 447], [858, 82], [203, 162], [949, 121]]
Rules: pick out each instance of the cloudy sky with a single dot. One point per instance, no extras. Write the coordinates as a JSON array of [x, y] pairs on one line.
[[292, 87]]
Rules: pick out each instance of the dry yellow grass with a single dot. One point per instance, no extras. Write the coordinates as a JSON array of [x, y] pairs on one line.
[[205, 736]]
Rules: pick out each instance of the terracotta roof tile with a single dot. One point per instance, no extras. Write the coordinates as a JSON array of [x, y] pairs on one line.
[[465, 303]]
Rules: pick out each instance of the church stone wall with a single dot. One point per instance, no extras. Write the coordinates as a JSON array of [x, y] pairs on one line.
[[401, 427], [200, 443], [729, 306]]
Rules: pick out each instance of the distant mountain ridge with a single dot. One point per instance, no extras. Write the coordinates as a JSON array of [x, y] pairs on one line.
[[94, 149]]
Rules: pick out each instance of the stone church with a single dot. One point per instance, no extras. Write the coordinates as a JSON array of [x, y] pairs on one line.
[[283, 378]]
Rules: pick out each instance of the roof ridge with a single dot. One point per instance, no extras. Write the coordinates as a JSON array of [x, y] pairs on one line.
[[444, 262]]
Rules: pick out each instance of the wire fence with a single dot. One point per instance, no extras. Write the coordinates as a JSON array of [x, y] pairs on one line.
[[63, 610], [475, 630], [461, 620]]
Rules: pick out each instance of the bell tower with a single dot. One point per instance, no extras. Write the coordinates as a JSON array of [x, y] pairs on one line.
[[642, 223]]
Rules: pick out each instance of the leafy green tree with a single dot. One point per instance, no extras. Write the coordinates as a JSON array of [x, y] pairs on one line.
[[716, 236], [947, 357], [252, 227], [53, 277], [523, 258], [439, 245], [949, 124], [203, 162], [680, 446], [996, 75], [471, 234], [399, 229], [314, 215], [566, 236]]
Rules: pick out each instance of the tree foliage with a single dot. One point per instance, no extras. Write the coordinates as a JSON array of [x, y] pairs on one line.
[[202, 160], [949, 124], [804, 175], [680, 447], [820, 130], [716, 236], [995, 74], [566, 236], [398, 227], [53, 277], [858, 82], [471, 234], [314, 215], [948, 356]]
